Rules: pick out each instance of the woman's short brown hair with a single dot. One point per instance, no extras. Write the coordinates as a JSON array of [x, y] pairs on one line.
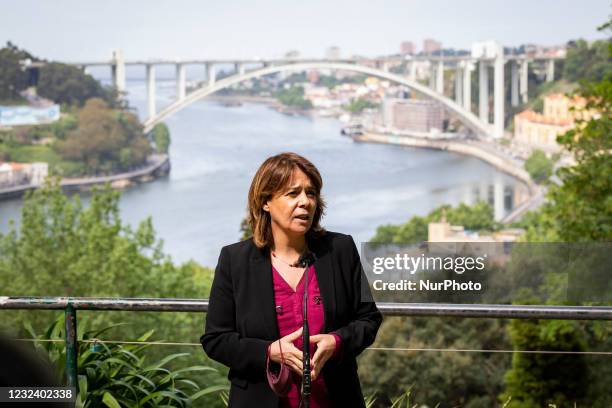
[[271, 177]]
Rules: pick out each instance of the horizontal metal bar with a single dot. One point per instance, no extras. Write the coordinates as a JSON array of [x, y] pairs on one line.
[[390, 309], [498, 311], [126, 304]]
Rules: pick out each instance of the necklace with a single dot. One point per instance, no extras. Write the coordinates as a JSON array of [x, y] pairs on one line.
[[293, 265]]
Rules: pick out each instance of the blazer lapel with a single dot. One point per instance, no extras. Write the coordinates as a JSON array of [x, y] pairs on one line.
[[264, 291], [324, 271]]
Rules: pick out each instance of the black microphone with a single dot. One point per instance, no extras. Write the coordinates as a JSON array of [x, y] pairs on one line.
[[307, 259]]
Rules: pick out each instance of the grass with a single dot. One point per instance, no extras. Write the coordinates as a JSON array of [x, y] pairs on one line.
[[33, 153], [41, 153], [13, 102]]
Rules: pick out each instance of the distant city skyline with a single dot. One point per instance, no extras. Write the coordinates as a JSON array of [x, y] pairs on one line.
[[70, 30]]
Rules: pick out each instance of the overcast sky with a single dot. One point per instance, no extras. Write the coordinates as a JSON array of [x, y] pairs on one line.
[[88, 30]]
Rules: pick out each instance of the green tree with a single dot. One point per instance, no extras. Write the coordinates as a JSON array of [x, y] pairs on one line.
[[69, 85], [358, 105], [12, 78], [245, 229], [448, 379], [102, 137], [582, 203], [66, 249], [547, 379], [539, 166], [478, 217], [293, 96], [440, 379], [579, 209], [161, 138], [587, 62]]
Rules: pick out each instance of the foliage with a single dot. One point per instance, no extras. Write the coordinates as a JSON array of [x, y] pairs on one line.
[[538, 105], [161, 138], [94, 254], [456, 379], [12, 78], [447, 378], [293, 96], [92, 140], [358, 105], [115, 375], [579, 209], [245, 229], [69, 85], [582, 203], [61, 83], [27, 144], [105, 140], [539, 166], [587, 62], [537, 380], [28, 153], [477, 217], [101, 138]]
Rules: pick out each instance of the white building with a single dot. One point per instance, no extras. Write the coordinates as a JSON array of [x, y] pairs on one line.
[[14, 174]]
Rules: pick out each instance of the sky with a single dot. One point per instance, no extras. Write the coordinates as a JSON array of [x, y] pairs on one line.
[[83, 30]]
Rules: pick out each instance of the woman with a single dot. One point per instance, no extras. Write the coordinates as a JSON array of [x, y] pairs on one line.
[[255, 308]]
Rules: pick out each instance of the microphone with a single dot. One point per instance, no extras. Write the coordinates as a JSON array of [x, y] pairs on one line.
[[307, 259]]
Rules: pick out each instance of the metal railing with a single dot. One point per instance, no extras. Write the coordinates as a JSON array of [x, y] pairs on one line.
[[70, 305]]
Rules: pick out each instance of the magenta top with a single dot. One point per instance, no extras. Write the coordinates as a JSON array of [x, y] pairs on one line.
[[289, 317]]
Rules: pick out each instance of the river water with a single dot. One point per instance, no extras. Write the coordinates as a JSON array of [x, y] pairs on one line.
[[215, 151]]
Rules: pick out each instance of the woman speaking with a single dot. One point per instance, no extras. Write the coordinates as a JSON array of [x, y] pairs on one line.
[[292, 280]]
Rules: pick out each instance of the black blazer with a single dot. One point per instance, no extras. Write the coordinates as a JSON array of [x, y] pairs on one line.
[[241, 319]]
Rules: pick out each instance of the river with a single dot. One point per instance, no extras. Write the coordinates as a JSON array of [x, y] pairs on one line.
[[216, 149]]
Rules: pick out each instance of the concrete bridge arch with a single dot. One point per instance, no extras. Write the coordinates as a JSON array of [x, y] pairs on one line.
[[467, 117]]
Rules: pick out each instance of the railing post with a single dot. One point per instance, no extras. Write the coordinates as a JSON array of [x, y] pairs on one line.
[[70, 319]]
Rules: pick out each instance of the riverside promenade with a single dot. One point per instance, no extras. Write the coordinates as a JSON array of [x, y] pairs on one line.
[[482, 150], [157, 165]]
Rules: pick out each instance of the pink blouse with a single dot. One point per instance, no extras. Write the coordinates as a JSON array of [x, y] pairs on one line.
[[290, 318]]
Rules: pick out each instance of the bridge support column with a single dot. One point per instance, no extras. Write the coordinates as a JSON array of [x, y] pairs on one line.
[[498, 199], [240, 69], [514, 84], [498, 93], [440, 78], [459, 83], [483, 91], [151, 90], [412, 71], [524, 80], [550, 70], [181, 84], [118, 71], [467, 86], [384, 66], [211, 74], [432, 75]]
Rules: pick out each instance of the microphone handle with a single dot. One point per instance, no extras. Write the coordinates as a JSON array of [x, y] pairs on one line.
[[306, 365], [306, 347]]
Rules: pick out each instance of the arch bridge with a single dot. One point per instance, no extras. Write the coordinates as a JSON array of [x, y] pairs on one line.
[[433, 66]]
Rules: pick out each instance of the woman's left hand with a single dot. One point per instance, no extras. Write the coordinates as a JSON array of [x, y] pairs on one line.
[[326, 345]]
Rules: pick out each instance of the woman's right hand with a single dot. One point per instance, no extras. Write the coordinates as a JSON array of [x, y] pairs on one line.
[[292, 356]]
